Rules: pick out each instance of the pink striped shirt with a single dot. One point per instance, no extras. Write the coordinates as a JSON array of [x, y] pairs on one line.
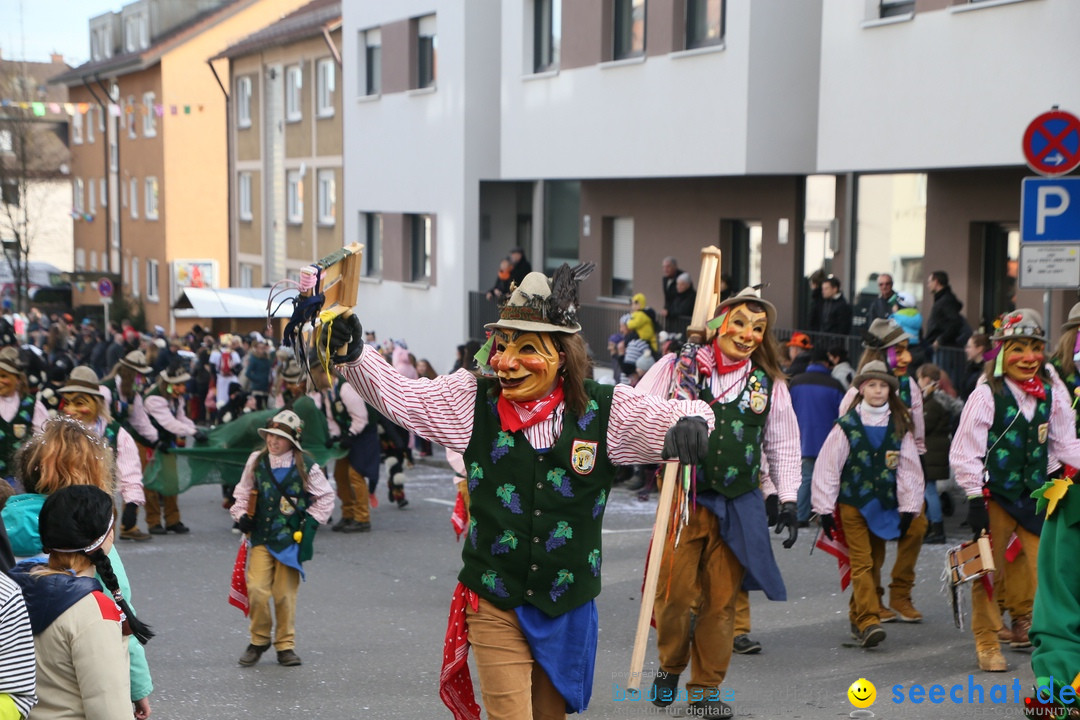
[[322, 504], [917, 418], [781, 444], [969, 444], [825, 486], [128, 466], [177, 423], [442, 409]]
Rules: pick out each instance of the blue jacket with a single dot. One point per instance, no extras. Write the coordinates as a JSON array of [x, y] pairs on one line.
[[20, 517], [816, 396]]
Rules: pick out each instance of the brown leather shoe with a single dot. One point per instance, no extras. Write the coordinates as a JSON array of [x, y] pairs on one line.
[[134, 533], [992, 661], [886, 615], [1020, 627], [288, 658], [1005, 634], [252, 654], [905, 611]]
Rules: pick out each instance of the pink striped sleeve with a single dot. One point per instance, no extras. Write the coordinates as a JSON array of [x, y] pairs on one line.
[[767, 486], [909, 477], [323, 495], [917, 418], [638, 423], [782, 444], [849, 397], [439, 409], [242, 491], [129, 469], [1063, 444], [657, 380], [969, 443], [825, 484]]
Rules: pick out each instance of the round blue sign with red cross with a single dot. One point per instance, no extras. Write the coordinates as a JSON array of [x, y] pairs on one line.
[[105, 287], [1052, 143]]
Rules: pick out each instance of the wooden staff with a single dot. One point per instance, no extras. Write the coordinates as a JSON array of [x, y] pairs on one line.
[[708, 297]]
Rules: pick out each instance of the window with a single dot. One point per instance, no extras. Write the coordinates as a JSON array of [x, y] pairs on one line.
[[327, 198], [243, 102], [129, 116], [80, 259], [547, 34], [89, 123], [91, 199], [371, 224], [9, 192], [151, 198], [371, 77], [101, 43], [134, 277], [247, 275], [420, 248], [622, 257], [629, 29], [894, 8], [325, 87], [78, 201], [294, 83], [101, 121], [76, 128], [152, 280], [426, 51], [5, 141], [93, 261], [294, 196], [103, 192], [133, 198], [149, 120], [704, 23], [243, 196], [136, 33]]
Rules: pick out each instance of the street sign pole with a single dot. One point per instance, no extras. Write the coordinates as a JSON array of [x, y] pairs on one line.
[[105, 303]]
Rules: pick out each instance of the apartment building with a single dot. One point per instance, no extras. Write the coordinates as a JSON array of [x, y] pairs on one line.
[[36, 206], [858, 137], [285, 135], [157, 155]]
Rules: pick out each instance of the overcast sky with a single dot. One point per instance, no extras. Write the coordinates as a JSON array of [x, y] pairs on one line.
[[33, 29]]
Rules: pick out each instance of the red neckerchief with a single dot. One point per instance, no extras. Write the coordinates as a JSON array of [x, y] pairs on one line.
[[1033, 387], [519, 415], [723, 365]]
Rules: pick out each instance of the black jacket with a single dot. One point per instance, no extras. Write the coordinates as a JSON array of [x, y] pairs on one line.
[[836, 315], [945, 324]]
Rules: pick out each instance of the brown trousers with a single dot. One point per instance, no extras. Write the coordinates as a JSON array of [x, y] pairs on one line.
[[866, 553], [154, 502], [1019, 575], [907, 555], [742, 614], [704, 575], [513, 686], [268, 580], [352, 489]]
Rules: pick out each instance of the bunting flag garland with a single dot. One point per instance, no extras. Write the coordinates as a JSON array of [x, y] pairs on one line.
[[41, 109]]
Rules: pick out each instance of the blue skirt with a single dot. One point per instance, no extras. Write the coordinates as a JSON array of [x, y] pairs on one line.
[[744, 527]]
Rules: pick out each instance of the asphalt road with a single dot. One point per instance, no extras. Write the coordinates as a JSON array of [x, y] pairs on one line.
[[372, 615]]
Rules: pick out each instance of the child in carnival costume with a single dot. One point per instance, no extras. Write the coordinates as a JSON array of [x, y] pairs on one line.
[[292, 501], [725, 544], [540, 442], [867, 476], [1055, 658], [1018, 416]]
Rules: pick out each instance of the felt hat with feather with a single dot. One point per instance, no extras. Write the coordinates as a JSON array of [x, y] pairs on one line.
[[542, 304]]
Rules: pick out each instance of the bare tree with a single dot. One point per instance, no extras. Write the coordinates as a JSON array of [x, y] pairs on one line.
[[33, 157]]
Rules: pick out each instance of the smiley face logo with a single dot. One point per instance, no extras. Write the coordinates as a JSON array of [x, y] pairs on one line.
[[862, 693]]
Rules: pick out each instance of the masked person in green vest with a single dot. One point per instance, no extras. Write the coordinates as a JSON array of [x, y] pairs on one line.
[[725, 546], [164, 403], [16, 410], [124, 387], [82, 398], [1015, 420], [292, 500], [868, 482], [1054, 634], [540, 442], [886, 342]]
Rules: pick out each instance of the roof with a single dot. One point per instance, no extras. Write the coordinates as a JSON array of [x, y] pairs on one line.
[[304, 22], [227, 303], [140, 60]]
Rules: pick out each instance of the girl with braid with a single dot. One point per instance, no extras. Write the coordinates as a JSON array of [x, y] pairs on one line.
[[82, 665], [63, 454]]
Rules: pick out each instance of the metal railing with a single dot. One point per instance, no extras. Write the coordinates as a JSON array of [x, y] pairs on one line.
[[599, 322]]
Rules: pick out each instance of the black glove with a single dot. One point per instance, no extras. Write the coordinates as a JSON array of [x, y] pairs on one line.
[[246, 523], [330, 442], [772, 509], [345, 442], [905, 523], [346, 332], [687, 440], [162, 446], [828, 525], [200, 436], [788, 518], [977, 516]]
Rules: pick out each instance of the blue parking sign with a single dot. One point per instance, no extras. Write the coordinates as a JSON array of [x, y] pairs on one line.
[[1050, 210]]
